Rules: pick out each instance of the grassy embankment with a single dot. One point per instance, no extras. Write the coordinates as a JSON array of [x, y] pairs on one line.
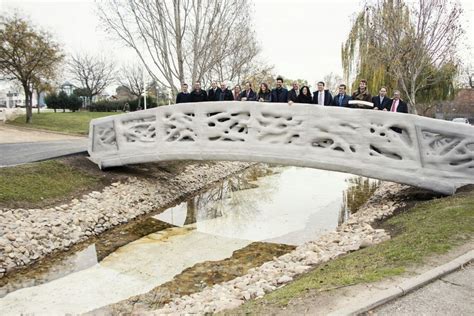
[[68, 122], [428, 229], [36, 182]]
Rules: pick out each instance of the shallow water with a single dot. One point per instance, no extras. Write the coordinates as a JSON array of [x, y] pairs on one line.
[[285, 205], [292, 206]]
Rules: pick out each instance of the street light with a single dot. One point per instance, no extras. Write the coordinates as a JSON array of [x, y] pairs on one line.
[[144, 90]]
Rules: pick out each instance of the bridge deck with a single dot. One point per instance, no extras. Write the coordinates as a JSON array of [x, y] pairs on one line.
[[414, 150]]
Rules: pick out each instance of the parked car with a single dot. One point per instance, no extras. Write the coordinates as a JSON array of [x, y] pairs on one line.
[[462, 120]]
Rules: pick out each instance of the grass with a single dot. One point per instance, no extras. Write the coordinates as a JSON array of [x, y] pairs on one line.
[[68, 122], [428, 229], [40, 181]]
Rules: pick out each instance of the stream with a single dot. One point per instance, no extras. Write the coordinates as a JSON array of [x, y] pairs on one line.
[[270, 205]]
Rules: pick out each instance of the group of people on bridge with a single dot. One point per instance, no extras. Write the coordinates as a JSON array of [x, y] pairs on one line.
[[296, 94]]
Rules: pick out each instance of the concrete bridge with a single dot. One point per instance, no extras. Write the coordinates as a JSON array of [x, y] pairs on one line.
[[409, 149]]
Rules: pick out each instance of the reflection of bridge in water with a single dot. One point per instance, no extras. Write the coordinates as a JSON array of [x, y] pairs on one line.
[[414, 150]]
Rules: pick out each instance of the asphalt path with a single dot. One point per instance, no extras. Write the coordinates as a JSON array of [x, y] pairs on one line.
[[19, 153], [450, 295]]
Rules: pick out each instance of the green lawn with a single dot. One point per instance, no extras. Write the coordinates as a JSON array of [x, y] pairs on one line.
[[40, 181], [68, 122], [428, 229]]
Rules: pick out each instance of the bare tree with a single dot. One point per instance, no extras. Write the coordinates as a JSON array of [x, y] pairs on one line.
[[178, 39], [467, 76], [241, 62], [93, 73], [332, 82], [132, 78]]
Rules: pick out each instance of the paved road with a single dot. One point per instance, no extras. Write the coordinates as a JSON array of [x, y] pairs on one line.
[[18, 153], [450, 295], [20, 145]]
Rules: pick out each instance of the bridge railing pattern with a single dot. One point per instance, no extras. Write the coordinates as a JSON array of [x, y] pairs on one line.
[[419, 151]]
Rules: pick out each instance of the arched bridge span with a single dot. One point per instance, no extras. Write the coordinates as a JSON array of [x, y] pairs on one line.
[[410, 149]]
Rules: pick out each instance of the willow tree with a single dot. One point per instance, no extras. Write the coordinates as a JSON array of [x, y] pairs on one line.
[[408, 47], [27, 55]]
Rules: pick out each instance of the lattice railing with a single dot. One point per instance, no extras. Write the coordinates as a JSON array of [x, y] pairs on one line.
[[403, 148]]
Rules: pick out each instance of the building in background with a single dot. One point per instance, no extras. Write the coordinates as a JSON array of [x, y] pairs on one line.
[[462, 106], [67, 87]]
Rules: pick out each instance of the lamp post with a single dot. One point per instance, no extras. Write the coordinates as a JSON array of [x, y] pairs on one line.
[[144, 90]]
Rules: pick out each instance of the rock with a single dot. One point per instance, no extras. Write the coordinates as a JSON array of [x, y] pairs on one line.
[[246, 295], [366, 243], [11, 237], [301, 269], [284, 279]]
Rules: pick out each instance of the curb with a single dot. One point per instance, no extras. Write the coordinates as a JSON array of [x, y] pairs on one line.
[[406, 286]]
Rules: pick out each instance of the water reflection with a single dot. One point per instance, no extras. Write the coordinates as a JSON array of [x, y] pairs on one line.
[[359, 191], [224, 199], [279, 204]]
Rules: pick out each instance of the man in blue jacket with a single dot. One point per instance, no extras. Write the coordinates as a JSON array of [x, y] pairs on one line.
[[341, 99], [279, 94]]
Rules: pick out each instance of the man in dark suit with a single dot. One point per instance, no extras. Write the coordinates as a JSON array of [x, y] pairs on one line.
[[397, 105], [381, 101], [294, 92], [183, 96], [248, 94], [224, 94], [198, 95], [341, 99], [322, 96], [279, 94], [213, 93]]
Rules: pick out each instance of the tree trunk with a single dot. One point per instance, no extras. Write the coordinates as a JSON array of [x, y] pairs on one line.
[[191, 212], [28, 105], [412, 108], [179, 42], [38, 100]]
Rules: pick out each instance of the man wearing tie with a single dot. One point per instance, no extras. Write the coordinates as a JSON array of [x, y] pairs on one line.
[[248, 94], [381, 102], [398, 105], [322, 96], [342, 99]]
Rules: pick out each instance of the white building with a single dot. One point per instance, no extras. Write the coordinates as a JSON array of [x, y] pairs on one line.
[[67, 87], [11, 97]]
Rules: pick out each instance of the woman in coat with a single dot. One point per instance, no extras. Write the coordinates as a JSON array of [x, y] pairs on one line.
[[264, 93], [304, 96], [237, 91]]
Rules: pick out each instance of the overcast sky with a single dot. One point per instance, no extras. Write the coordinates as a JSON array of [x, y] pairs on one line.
[[302, 38]]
